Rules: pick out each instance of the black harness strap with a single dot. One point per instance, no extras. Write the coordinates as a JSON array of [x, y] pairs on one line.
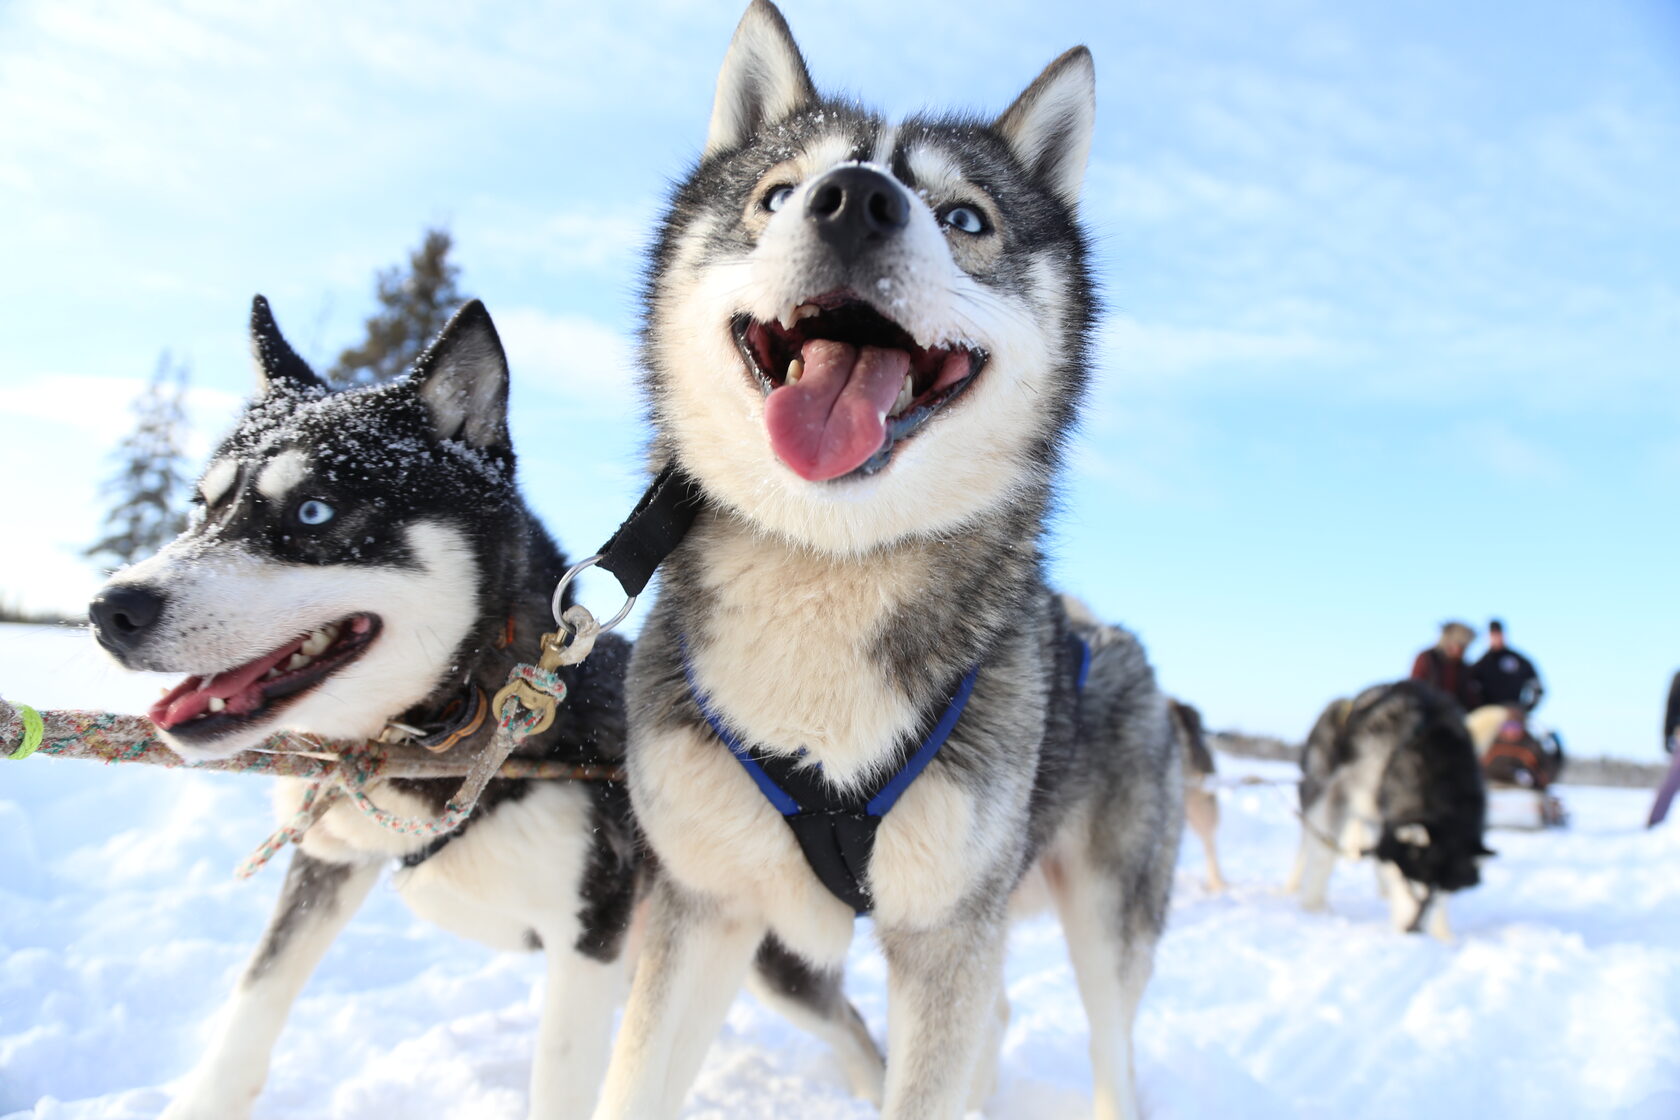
[[654, 528], [432, 848], [835, 828]]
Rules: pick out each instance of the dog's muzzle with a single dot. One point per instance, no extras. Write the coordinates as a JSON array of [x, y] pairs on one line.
[[855, 209], [123, 616]]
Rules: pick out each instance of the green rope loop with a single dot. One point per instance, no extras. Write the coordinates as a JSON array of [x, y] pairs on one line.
[[33, 732]]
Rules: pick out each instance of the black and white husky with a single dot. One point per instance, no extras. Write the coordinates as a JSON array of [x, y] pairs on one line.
[[359, 564], [866, 342], [1393, 774]]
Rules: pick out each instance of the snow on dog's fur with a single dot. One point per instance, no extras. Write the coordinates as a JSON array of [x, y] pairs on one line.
[[362, 560], [867, 340]]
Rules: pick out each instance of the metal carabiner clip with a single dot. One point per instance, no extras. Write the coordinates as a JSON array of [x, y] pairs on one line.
[[554, 604]]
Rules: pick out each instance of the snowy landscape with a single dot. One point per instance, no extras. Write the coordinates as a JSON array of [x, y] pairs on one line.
[[122, 928]]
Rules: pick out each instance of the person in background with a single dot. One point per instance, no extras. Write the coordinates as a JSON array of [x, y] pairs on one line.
[[1671, 740], [1506, 676], [1442, 665]]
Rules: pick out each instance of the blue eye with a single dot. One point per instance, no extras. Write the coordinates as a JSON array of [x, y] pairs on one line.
[[314, 512], [965, 219], [777, 197]]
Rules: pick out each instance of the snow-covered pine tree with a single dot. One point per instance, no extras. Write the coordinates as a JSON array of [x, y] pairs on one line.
[[148, 490], [414, 304]]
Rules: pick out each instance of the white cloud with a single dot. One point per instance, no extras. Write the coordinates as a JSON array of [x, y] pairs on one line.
[[56, 455], [600, 239], [101, 408], [1495, 446], [570, 360], [1161, 349]]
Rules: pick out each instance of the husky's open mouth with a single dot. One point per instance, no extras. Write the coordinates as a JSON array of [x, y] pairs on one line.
[[845, 383], [203, 707]]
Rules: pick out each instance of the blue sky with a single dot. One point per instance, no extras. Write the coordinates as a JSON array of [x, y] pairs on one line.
[[1393, 291]]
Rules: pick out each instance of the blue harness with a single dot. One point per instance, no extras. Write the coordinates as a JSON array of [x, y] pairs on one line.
[[836, 828]]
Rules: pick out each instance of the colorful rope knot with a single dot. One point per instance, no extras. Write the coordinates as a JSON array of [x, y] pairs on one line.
[[525, 707]]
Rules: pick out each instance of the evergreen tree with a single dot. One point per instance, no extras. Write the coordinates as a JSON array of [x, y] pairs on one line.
[[150, 485], [414, 304]]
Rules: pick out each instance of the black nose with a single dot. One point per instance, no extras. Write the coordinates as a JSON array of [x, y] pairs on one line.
[[855, 208], [122, 616]]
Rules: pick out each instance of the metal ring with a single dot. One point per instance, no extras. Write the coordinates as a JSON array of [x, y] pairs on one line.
[[560, 594]]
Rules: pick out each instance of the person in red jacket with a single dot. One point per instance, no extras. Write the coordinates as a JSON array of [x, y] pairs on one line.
[[1442, 665]]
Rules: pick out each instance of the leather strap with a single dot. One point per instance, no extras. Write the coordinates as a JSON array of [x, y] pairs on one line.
[[653, 530]]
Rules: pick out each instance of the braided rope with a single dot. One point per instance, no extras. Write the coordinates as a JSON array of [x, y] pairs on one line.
[[336, 771], [361, 765]]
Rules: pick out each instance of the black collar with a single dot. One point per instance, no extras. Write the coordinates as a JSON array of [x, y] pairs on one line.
[[460, 718]]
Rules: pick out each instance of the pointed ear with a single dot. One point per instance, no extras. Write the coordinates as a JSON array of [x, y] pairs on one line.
[[1049, 127], [763, 79], [462, 379], [277, 362]]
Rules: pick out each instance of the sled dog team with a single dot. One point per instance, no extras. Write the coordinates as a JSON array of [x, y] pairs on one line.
[[865, 345]]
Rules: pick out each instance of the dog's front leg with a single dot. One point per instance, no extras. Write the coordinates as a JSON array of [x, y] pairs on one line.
[[943, 988], [316, 901], [1317, 861], [691, 965], [576, 1031]]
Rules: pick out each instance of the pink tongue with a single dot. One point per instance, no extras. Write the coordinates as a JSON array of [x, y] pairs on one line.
[[238, 687], [835, 418]]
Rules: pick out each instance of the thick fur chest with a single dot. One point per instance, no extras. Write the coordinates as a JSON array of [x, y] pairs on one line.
[[788, 648], [798, 651]]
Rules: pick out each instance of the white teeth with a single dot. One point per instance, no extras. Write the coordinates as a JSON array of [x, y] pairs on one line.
[[274, 672], [795, 370], [794, 314], [298, 661], [318, 642], [217, 703], [906, 394]]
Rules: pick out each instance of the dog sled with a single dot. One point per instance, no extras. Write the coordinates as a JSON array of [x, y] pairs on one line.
[[1520, 764]]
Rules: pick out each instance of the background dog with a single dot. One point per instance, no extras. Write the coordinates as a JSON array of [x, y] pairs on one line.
[[1392, 773], [1201, 804], [359, 562], [867, 340]]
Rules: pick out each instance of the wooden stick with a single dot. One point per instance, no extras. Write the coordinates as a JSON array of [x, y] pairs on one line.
[[107, 737]]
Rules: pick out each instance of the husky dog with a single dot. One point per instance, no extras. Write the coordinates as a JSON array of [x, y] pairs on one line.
[[866, 342], [1392, 773], [1201, 805], [361, 562]]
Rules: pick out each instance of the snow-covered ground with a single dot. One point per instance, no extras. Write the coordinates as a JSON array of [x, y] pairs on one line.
[[121, 929]]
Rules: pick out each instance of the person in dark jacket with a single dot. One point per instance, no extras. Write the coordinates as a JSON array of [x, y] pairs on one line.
[[1671, 740], [1506, 676], [1442, 665]]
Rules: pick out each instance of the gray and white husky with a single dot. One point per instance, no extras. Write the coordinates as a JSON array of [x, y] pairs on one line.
[[359, 563], [867, 341], [1392, 773]]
